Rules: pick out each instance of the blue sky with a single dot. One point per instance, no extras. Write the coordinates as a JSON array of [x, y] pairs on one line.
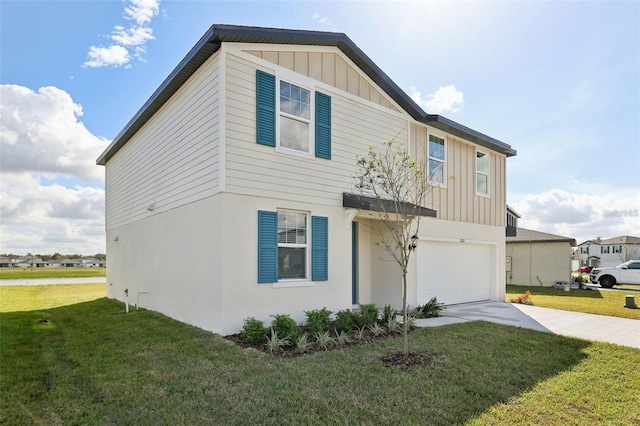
[[559, 81]]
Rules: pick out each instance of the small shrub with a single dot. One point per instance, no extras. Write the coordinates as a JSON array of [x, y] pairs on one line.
[[324, 340], [368, 315], [392, 325], [254, 331], [376, 329], [345, 320], [359, 332], [302, 343], [342, 337], [388, 313], [430, 309], [275, 343], [318, 320], [286, 327]]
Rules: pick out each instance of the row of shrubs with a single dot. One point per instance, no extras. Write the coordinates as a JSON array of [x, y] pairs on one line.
[[323, 329]]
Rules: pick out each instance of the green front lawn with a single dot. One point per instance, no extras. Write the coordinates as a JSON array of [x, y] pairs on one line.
[[91, 363], [29, 273], [601, 302]]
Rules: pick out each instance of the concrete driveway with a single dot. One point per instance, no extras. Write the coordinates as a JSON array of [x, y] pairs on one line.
[[601, 328]]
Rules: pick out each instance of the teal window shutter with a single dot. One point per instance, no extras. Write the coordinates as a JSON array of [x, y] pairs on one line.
[[323, 126], [266, 108], [267, 247], [319, 248]]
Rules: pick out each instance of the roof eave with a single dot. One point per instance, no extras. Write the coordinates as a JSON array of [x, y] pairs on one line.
[[457, 129]]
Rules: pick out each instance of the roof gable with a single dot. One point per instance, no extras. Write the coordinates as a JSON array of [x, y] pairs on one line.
[[211, 41]]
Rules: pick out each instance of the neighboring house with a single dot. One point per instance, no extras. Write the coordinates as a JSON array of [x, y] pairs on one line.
[[538, 259], [92, 263], [608, 252], [30, 262], [241, 166], [587, 254], [6, 262], [66, 263], [512, 222]]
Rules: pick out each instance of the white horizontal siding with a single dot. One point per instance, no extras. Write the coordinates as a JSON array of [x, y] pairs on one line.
[[173, 159], [259, 170]]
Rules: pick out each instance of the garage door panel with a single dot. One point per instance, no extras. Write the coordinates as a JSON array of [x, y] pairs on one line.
[[453, 272]]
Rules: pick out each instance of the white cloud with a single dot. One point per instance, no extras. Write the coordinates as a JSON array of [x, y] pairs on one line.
[[320, 19], [42, 139], [133, 37], [112, 56], [446, 99], [41, 133], [142, 11], [581, 216]]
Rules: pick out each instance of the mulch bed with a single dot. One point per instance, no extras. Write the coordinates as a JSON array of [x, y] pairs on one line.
[[395, 358]]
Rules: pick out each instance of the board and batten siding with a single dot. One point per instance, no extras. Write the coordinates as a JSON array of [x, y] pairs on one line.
[[456, 200], [173, 159], [330, 68], [258, 170]]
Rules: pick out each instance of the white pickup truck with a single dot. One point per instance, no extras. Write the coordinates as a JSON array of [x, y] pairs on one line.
[[625, 273]]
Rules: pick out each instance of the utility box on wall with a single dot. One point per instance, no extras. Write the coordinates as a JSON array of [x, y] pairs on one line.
[[508, 264]]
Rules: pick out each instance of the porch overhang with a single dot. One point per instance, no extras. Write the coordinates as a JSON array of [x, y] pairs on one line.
[[362, 202]]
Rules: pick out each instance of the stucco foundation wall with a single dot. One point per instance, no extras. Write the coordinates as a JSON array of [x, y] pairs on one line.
[[536, 263], [171, 262], [198, 264], [242, 296]]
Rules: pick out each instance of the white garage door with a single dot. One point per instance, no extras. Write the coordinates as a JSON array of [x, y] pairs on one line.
[[453, 272]]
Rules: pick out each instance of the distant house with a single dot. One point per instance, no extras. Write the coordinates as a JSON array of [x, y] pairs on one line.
[[230, 193], [608, 252], [92, 263], [536, 258], [7, 262]]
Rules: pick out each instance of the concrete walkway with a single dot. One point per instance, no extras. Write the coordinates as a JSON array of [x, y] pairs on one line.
[[601, 328]]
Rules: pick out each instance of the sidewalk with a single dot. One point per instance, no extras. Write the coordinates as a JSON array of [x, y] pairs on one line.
[[621, 331]]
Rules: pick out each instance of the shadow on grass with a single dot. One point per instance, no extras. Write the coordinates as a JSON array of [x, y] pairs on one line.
[[91, 364], [552, 291]]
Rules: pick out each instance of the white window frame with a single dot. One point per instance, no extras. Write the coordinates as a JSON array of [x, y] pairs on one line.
[[487, 174], [442, 184], [310, 122], [306, 246]]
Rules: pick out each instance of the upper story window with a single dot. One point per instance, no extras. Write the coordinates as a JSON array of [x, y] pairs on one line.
[[295, 117], [292, 117], [617, 249], [482, 173], [584, 250], [604, 249], [436, 160]]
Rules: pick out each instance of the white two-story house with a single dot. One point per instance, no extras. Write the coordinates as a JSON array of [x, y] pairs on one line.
[[608, 252], [230, 193]]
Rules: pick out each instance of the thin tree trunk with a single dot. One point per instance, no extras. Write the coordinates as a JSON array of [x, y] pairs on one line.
[[405, 322]]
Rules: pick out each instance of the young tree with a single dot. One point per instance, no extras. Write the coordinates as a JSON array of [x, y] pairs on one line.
[[399, 185]]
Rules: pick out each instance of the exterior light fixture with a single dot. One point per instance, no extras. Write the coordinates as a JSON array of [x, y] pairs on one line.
[[414, 243]]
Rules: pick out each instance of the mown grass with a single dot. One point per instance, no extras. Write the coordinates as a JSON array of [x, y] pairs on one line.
[[600, 302], [90, 363], [29, 273], [36, 297]]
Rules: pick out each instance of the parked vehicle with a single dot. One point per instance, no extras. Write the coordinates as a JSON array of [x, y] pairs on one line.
[[585, 269], [625, 273]]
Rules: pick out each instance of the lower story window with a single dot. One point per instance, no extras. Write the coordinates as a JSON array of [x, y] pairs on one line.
[[292, 245]]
